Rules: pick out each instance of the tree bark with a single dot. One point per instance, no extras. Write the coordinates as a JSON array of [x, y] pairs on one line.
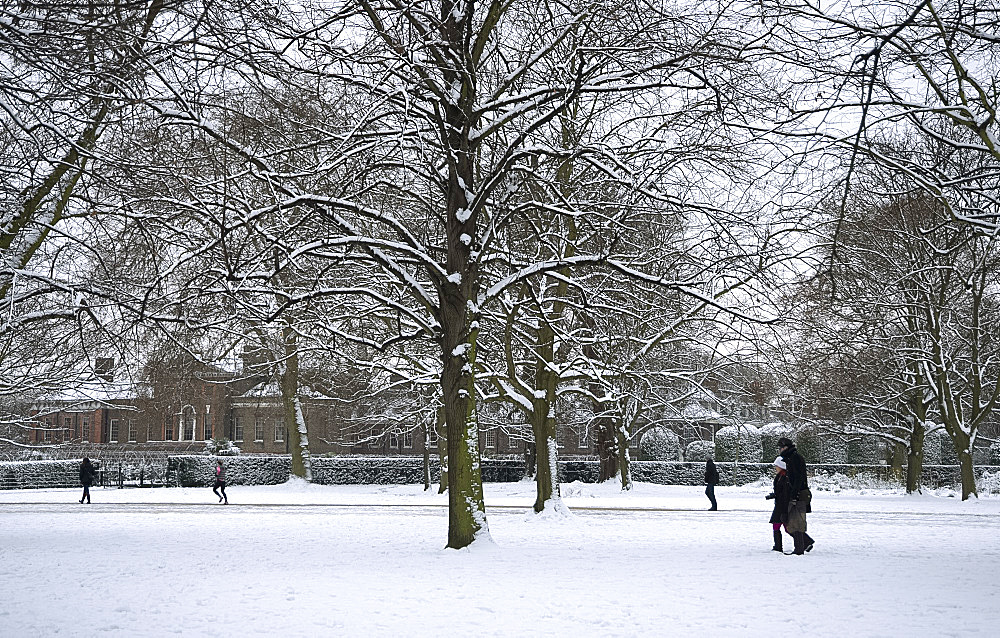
[[295, 422], [624, 461]]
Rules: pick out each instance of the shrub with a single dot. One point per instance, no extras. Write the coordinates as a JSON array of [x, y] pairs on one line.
[[699, 451], [864, 449], [660, 444], [769, 435], [220, 447], [738, 443]]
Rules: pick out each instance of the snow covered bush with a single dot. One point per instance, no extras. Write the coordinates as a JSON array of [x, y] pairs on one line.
[[995, 454], [819, 446], [864, 449], [660, 444], [948, 454], [934, 444], [699, 451], [769, 435], [738, 443], [220, 447], [19, 475]]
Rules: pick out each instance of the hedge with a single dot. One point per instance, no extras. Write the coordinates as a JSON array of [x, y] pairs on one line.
[[197, 471]]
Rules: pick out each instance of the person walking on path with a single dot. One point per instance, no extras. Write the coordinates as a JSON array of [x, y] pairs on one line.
[[87, 473], [711, 480], [779, 516], [799, 496], [220, 482]]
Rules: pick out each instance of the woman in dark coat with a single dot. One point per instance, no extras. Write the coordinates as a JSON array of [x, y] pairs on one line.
[[711, 480], [87, 472], [781, 496]]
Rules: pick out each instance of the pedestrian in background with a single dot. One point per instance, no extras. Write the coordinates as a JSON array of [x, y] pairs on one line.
[[220, 482], [87, 473], [711, 480]]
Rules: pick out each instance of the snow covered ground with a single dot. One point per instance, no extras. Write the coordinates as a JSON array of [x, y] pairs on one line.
[[307, 560]]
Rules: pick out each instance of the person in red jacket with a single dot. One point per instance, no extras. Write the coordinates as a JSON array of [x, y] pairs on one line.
[[220, 482]]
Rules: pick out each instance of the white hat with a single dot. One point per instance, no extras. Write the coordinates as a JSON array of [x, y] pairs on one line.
[[780, 462]]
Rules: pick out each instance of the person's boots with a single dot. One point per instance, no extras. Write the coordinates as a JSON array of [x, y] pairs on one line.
[[808, 542], [777, 541], [798, 539]]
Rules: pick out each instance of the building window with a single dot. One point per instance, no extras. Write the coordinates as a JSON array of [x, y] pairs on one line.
[[114, 431], [68, 427], [47, 433], [208, 426], [372, 438], [187, 420], [408, 439], [491, 438], [279, 431], [584, 439], [433, 436], [86, 428], [237, 429], [133, 431], [168, 428], [258, 429], [394, 439]]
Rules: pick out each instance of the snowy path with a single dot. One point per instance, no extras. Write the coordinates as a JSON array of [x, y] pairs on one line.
[[341, 561]]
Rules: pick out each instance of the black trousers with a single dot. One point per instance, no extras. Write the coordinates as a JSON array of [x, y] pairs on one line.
[[710, 493]]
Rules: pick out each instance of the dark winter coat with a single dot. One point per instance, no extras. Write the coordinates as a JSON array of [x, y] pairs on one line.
[[797, 511], [796, 468], [87, 472], [711, 474], [781, 498]]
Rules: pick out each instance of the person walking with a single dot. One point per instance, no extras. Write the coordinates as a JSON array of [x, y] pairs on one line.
[[220, 482], [711, 480], [779, 516], [87, 473], [799, 496]]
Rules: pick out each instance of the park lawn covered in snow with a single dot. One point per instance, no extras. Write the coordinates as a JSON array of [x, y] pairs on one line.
[[298, 560]]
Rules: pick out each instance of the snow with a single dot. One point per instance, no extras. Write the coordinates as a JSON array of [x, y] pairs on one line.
[[300, 559]]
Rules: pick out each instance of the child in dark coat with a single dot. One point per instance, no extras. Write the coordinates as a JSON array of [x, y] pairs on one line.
[[781, 496]]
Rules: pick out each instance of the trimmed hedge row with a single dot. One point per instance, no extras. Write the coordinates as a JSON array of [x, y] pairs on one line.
[[198, 471]]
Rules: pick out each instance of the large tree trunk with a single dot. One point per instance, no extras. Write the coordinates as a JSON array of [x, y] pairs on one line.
[[915, 458], [427, 457], [442, 451], [295, 422], [607, 450], [968, 474], [547, 457], [915, 450], [624, 461], [543, 424], [458, 292], [529, 460], [896, 458]]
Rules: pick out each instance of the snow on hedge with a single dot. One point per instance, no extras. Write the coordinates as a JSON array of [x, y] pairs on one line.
[[738, 443], [769, 435], [699, 451], [660, 444]]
